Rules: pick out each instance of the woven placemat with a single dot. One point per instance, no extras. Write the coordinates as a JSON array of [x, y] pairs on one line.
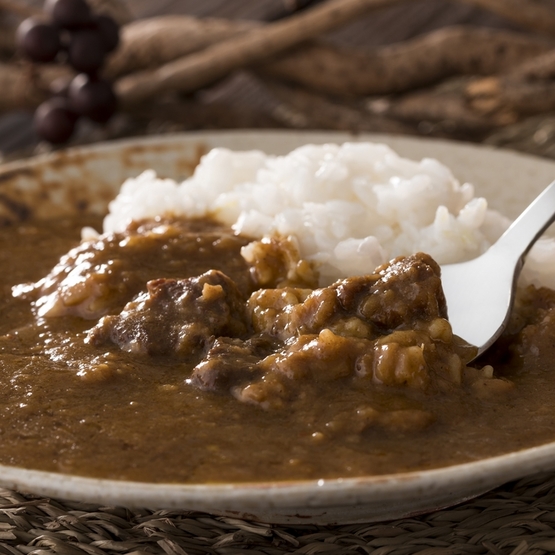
[[517, 518]]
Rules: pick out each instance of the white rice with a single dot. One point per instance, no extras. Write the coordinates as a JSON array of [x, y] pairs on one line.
[[351, 207]]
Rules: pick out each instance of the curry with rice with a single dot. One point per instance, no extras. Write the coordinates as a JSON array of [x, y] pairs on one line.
[[179, 351]]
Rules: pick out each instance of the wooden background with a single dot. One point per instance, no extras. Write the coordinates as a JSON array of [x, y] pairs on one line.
[[239, 93]]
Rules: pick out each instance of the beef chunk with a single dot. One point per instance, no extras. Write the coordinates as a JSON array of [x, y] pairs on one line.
[[230, 363], [100, 276], [408, 290], [398, 295], [386, 328], [176, 316]]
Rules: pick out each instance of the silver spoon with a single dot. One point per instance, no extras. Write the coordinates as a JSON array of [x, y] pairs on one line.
[[480, 292]]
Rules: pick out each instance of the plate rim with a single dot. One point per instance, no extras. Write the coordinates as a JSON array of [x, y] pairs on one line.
[[280, 496]]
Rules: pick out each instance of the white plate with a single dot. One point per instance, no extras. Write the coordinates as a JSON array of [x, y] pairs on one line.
[[86, 178]]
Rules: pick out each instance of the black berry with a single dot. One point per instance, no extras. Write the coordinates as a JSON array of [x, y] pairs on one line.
[[86, 50], [38, 40], [69, 14], [93, 98], [109, 30], [54, 120], [75, 36]]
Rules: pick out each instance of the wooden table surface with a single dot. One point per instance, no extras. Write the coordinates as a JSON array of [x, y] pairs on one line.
[[386, 26]]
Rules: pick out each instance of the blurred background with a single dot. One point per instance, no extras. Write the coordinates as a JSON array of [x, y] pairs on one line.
[[472, 70]]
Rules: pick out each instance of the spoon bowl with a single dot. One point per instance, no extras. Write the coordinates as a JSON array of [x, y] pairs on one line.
[[480, 292]]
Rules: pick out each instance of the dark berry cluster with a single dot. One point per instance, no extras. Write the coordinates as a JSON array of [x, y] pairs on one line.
[[71, 33]]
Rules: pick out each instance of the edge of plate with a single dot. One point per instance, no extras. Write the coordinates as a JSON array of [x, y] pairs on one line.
[[324, 501]]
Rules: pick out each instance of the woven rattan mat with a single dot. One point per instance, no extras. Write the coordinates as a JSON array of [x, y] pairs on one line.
[[516, 519]]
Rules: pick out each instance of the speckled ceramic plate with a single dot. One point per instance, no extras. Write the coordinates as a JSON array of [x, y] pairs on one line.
[[85, 179]]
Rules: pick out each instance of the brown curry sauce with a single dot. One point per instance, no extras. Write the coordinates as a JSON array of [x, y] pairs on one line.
[[223, 370]]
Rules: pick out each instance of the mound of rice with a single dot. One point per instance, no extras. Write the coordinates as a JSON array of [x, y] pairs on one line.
[[350, 207]]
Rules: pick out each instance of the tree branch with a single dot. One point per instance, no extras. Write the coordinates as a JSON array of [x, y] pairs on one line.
[[192, 72]]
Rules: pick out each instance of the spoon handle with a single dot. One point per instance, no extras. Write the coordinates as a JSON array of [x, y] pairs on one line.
[[527, 228]]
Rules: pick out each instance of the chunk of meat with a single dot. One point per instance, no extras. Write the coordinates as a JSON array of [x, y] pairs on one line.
[[176, 316], [230, 362], [530, 329], [399, 295], [407, 290], [320, 358], [387, 328], [99, 276]]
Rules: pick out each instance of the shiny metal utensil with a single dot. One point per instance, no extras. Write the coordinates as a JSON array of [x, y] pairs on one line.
[[480, 292]]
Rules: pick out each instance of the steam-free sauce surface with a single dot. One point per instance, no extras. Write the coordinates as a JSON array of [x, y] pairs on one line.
[[89, 389]]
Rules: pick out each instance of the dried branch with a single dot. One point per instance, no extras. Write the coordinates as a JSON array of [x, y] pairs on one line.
[[150, 43], [314, 111], [407, 65], [492, 95], [527, 89], [530, 98], [528, 13], [449, 51], [539, 68], [203, 68], [446, 110]]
